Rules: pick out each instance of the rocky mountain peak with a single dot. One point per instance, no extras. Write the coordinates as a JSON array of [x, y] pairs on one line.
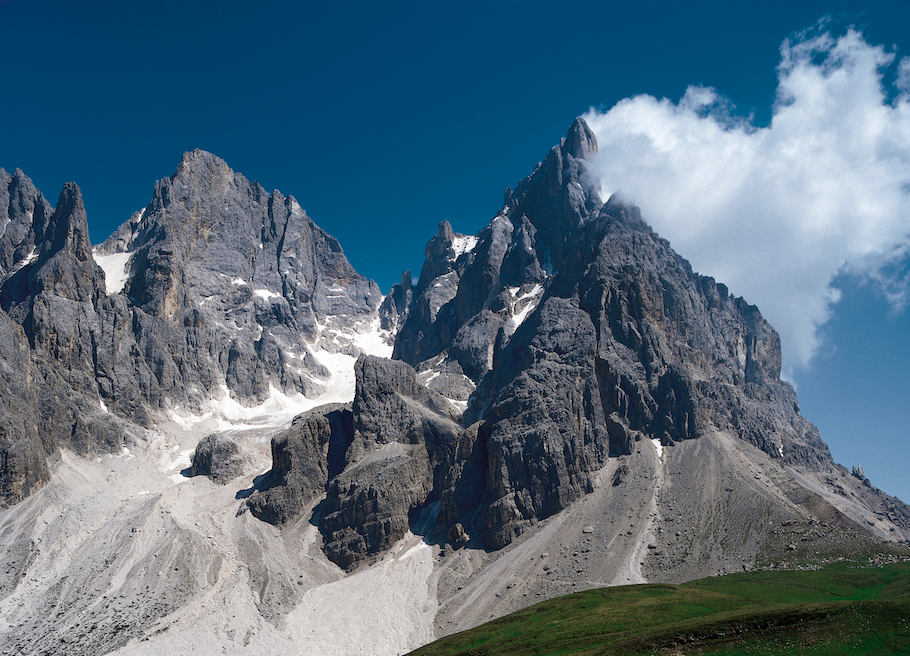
[[61, 260], [68, 231], [580, 142], [200, 162], [24, 214]]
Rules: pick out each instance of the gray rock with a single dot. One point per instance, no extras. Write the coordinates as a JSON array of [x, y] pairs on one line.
[[404, 435], [457, 536], [53, 296], [569, 329], [217, 457], [24, 214], [22, 452], [624, 343], [228, 284], [304, 458]]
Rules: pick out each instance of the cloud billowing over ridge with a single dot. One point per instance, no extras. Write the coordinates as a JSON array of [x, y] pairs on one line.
[[778, 212]]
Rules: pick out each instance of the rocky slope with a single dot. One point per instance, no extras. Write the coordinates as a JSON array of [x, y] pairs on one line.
[[567, 404]]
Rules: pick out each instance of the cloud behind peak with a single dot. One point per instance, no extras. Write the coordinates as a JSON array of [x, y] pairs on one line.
[[778, 212]]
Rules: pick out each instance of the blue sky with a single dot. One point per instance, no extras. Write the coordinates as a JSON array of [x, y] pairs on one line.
[[384, 118]]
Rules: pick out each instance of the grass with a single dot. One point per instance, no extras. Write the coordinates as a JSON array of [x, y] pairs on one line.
[[840, 609]]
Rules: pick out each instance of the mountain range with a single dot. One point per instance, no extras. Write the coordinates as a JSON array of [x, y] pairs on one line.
[[216, 434]]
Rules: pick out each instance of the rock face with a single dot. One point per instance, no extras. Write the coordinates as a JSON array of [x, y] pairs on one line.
[[226, 286], [217, 457], [23, 458], [304, 458], [379, 463], [48, 295]]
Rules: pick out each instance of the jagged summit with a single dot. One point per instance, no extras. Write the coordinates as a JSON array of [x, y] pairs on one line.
[[23, 218], [580, 142], [216, 293], [570, 334], [60, 259]]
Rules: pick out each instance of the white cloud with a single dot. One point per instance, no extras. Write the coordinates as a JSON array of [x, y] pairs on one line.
[[903, 75], [777, 212]]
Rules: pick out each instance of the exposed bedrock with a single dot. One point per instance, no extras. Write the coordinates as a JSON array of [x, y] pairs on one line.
[[304, 458], [217, 457], [379, 462]]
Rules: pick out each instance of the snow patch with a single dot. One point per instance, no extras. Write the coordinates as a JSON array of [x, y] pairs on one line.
[[463, 245], [265, 294], [179, 462], [125, 454], [520, 316], [369, 338], [659, 447], [416, 549], [238, 281], [460, 405], [277, 410], [373, 340], [32, 255], [432, 376], [115, 270], [186, 422]]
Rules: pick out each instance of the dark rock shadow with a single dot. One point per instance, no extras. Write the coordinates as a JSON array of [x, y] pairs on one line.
[[260, 483]]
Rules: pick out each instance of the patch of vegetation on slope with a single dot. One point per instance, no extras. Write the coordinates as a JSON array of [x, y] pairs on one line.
[[840, 609]]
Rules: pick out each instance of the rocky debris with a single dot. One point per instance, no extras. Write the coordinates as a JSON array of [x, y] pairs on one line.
[[620, 473], [217, 457], [104, 599], [457, 536]]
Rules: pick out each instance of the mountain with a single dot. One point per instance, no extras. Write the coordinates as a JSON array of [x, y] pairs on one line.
[[215, 432]]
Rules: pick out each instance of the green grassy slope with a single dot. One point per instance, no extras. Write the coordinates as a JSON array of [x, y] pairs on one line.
[[841, 609]]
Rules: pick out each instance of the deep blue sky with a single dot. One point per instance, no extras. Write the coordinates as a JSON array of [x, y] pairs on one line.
[[385, 118]]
